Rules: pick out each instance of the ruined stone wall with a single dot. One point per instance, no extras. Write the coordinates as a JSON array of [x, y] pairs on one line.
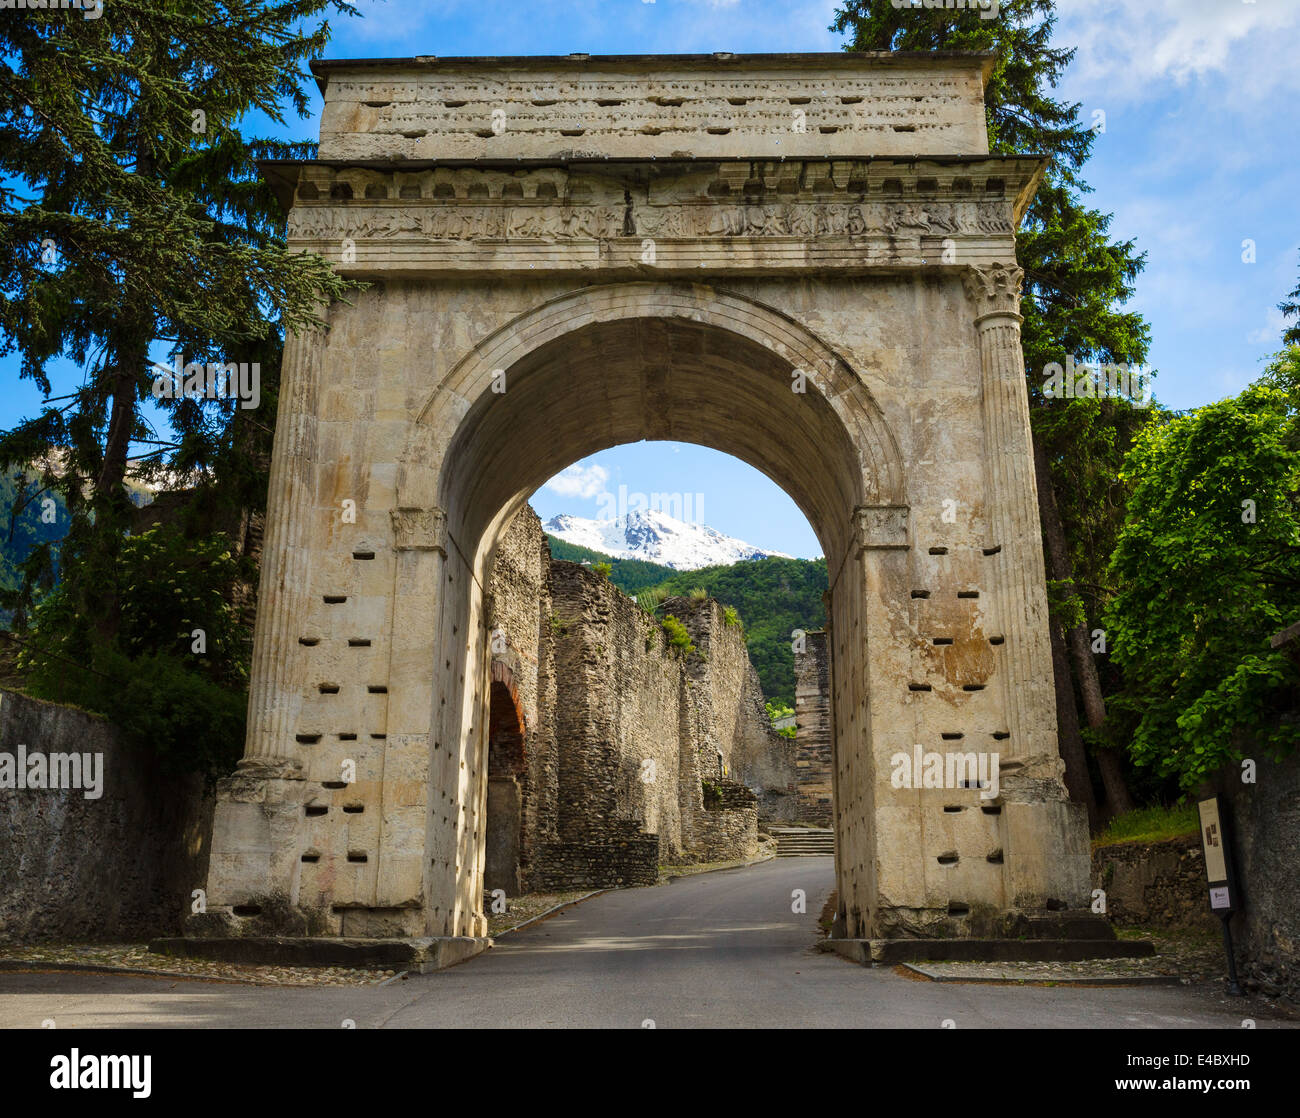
[[729, 824], [622, 716], [812, 714], [736, 720], [119, 866], [1154, 884], [523, 790], [624, 858], [638, 727]]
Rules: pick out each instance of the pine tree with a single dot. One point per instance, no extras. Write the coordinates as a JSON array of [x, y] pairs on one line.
[[134, 225], [133, 220], [1290, 308]]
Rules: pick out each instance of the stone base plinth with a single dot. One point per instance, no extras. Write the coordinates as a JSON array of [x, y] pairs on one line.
[[875, 952], [422, 955]]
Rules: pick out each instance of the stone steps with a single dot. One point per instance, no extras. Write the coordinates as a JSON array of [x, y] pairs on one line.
[[803, 842]]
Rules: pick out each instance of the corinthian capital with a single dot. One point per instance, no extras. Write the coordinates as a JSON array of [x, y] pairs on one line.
[[881, 527], [995, 289], [420, 529]]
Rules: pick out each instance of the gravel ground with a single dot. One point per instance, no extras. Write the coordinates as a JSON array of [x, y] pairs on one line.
[[1188, 957], [1105, 971], [519, 910], [138, 957]]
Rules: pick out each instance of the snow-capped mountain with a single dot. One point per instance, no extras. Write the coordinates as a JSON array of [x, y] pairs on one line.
[[657, 538]]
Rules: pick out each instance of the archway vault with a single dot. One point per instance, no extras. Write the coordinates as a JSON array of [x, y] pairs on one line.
[[615, 363]]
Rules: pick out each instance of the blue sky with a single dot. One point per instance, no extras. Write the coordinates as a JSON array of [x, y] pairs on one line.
[[1198, 155]]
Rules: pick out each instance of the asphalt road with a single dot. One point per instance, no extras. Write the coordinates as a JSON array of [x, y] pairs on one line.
[[721, 949]]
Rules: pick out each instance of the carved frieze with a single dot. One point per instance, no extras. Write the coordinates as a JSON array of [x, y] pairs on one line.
[[420, 529], [504, 221]]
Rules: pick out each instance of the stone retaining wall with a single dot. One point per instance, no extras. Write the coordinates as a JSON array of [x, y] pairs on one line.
[[622, 860], [729, 824], [120, 866], [1154, 884]]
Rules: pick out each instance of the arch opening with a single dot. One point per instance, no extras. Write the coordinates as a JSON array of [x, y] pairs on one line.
[[711, 369]]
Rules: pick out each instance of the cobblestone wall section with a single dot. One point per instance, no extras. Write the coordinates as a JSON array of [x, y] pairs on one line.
[[521, 614], [1154, 884], [729, 824]]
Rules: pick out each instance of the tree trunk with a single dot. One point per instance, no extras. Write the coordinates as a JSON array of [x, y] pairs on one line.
[[1073, 751], [130, 352], [1118, 798], [1060, 569], [129, 355]]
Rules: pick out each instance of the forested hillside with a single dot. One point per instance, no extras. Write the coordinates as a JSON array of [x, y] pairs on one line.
[[629, 575], [773, 597]]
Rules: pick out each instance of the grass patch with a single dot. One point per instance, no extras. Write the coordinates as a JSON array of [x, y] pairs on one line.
[[1150, 824]]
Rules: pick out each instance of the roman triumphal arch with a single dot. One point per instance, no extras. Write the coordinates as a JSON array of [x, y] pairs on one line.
[[807, 261]]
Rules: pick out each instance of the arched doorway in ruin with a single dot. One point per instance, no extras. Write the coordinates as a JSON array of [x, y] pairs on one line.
[[506, 772]]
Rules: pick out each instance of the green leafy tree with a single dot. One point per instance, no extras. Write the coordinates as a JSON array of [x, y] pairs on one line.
[[778, 711], [1209, 568], [174, 675]]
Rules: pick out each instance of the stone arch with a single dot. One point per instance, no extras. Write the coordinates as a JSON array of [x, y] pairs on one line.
[[677, 312], [611, 364], [844, 233]]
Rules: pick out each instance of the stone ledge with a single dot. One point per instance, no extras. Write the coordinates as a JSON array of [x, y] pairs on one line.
[[997, 975], [869, 952], [421, 955]]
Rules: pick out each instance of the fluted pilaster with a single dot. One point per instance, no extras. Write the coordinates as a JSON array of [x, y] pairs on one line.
[[1011, 510], [283, 593]]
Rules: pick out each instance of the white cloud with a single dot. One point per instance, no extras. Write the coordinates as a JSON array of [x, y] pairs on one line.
[[579, 481], [1271, 331], [1125, 47]]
